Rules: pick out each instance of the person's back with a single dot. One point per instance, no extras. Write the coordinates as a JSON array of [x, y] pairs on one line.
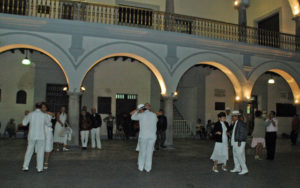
[[259, 128], [37, 121], [147, 124]]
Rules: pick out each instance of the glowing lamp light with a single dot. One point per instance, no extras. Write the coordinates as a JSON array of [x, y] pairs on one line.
[[248, 97], [236, 2], [65, 88], [271, 81], [237, 98], [82, 88], [26, 61], [296, 101], [296, 10], [175, 93]]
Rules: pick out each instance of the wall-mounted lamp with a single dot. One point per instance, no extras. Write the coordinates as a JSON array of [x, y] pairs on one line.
[[237, 98], [248, 97], [26, 60], [82, 89], [296, 101], [65, 88]]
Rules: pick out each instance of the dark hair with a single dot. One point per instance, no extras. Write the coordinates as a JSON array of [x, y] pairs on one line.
[[258, 113], [273, 112], [221, 114], [161, 110], [38, 105]]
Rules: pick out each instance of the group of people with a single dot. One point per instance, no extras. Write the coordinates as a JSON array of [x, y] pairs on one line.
[[231, 129]]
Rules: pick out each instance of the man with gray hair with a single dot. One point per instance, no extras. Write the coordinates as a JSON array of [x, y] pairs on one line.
[[147, 136], [238, 142]]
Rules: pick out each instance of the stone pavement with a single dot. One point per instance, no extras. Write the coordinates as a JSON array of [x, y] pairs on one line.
[[115, 166]]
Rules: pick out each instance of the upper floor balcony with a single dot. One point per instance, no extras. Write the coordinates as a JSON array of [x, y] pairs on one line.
[[149, 19]]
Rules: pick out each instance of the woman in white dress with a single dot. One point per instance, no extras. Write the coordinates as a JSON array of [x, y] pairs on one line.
[[220, 153], [60, 138], [49, 136]]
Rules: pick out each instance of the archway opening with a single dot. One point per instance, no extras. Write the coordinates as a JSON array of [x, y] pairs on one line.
[[42, 80], [204, 90], [279, 96], [118, 83]]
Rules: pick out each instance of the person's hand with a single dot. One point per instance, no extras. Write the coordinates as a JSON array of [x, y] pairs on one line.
[[239, 144], [218, 133]]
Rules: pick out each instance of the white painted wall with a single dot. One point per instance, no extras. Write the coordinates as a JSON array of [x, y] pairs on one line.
[[14, 77], [112, 77]]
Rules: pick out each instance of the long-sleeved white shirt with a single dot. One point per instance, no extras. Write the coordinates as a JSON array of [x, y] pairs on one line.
[[148, 122], [38, 120]]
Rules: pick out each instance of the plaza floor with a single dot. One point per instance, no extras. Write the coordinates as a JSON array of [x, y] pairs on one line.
[[115, 166]]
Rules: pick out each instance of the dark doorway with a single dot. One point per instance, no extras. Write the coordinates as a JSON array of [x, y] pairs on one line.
[[67, 11], [13, 6], [268, 31], [56, 97], [125, 103]]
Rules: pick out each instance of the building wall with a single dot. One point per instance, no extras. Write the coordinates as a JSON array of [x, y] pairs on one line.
[[14, 77], [112, 77]]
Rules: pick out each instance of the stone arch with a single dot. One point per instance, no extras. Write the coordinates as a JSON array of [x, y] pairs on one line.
[[145, 56], [289, 74], [35, 42], [223, 63]]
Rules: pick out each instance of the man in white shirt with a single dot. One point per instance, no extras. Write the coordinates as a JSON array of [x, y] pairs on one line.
[[238, 142], [271, 135], [147, 136], [36, 137], [228, 115]]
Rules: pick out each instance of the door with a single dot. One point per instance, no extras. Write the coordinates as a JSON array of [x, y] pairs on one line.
[[268, 31], [125, 103]]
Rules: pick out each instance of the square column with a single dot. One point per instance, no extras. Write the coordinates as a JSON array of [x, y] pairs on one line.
[[74, 98], [168, 108]]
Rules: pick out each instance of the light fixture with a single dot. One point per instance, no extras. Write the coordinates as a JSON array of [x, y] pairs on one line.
[[248, 97], [271, 81], [236, 3], [296, 101], [237, 98], [82, 89], [65, 88], [26, 60], [175, 93]]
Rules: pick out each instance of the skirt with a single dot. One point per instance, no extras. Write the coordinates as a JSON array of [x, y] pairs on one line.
[[255, 141], [49, 140], [220, 153], [59, 136]]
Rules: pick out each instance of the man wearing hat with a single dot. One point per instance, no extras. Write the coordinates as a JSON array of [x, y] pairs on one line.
[[228, 115], [147, 136], [238, 142]]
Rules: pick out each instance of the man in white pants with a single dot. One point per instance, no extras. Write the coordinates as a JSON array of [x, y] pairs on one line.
[[36, 137], [95, 131], [147, 136], [238, 142]]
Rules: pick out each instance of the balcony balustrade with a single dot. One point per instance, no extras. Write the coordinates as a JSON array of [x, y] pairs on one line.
[[150, 19]]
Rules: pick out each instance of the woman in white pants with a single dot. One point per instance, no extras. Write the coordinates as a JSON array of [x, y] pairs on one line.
[[85, 125], [60, 138], [48, 136]]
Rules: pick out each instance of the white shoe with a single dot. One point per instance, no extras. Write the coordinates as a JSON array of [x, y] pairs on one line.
[[25, 168], [243, 172], [216, 171], [66, 149], [224, 169], [235, 170], [40, 170], [140, 169]]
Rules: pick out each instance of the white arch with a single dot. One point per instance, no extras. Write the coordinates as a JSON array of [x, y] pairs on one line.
[[148, 58], [234, 74], [286, 72]]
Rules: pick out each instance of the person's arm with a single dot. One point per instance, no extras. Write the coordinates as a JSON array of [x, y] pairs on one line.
[[134, 115], [26, 119]]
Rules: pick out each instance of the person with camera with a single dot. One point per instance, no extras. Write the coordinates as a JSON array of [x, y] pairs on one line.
[[147, 136]]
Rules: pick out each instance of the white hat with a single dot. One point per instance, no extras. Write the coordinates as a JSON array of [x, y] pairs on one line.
[[235, 112], [140, 106], [227, 108]]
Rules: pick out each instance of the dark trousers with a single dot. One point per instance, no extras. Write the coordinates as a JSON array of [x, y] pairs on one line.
[[110, 133], [271, 144], [160, 140], [294, 136]]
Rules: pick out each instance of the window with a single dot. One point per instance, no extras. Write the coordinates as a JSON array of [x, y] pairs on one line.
[[219, 105], [13, 6], [137, 16], [104, 105], [285, 110], [56, 97], [67, 11], [21, 97]]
